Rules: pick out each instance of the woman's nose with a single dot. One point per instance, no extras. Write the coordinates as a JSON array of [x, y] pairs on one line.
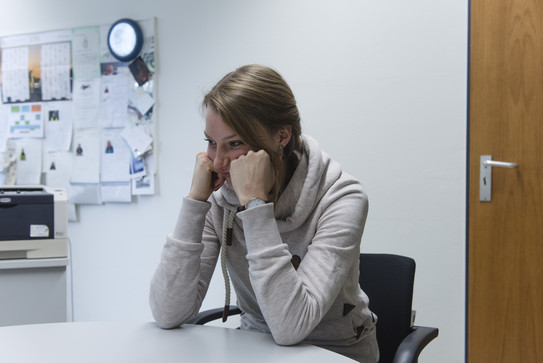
[[221, 161]]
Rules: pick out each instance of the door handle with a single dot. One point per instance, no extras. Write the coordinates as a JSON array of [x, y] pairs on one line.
[[502, 164], [485, 180]]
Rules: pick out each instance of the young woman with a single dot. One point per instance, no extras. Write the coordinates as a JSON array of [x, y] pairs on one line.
[[284, 218]]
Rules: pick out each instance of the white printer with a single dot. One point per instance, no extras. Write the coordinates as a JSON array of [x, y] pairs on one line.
[[33, 222]]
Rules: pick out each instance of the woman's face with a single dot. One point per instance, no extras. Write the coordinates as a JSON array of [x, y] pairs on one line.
[[224, 145]]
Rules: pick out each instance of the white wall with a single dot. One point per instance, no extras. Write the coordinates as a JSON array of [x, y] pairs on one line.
[[382, 85]]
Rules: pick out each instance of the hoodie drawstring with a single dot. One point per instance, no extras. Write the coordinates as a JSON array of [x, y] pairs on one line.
[[227, 228]]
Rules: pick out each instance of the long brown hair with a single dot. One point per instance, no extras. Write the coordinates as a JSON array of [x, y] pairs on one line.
[[256, 102]]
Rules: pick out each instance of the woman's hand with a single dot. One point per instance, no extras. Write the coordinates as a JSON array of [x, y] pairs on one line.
[[252, 176], [204, 180]]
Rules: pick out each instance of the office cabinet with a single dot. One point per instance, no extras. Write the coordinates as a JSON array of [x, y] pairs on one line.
[[34, 291]]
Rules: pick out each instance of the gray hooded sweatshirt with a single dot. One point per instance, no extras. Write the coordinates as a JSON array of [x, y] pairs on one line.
[[294, 264]]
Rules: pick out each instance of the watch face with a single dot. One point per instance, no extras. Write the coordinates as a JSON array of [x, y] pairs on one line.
[[125, 39]]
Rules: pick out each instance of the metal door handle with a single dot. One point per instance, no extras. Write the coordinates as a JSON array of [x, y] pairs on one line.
[[485, 180], [502, 164]]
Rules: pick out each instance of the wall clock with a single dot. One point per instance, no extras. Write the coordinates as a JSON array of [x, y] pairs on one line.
[[125, 39]]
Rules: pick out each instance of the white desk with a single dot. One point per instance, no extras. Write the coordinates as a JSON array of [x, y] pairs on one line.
[[86, 342]]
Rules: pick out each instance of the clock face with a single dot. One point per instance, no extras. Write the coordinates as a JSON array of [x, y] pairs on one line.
[[125, 40]]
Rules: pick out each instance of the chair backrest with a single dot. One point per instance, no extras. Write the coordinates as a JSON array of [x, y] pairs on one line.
[[388, 281]]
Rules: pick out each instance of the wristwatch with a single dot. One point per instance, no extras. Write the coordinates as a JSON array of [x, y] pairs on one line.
[[254, 203]]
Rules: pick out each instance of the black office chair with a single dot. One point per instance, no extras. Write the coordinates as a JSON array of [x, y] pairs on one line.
[[388, 280]]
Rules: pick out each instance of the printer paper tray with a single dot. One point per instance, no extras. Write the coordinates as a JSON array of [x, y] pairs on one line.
[[39, 248]]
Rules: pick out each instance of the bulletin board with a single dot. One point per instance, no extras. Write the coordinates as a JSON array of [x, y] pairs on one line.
[[74, 117]]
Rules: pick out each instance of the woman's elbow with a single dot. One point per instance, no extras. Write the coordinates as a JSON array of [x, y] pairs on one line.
[[169, 320], [171, 323], [166, 324], [288, 338], [164, 321]]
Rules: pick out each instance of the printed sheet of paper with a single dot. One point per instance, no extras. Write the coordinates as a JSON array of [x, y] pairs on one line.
[[142, 100], [86, 103], [3, 141], [86, 193], [137, 167], [15, 85], [115, 157], [146, 184], [55, 72], [57, 166], [25, 120], [58, 125], [9, 162], [86, 156], [29, 158], [137, 139], [10, 154], [85, 52], [105, 54], [114, 100], [4, 109], [116, 192]]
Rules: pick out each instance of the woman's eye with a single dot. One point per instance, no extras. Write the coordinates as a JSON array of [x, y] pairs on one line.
[[210, 142], [236, 143]]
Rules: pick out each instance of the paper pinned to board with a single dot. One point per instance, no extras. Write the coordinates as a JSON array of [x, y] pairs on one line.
[[29, 161], [116, 192], [142, 100], [145, 185], [138, 140]]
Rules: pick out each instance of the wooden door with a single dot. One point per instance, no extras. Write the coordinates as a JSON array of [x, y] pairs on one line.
[[505, 238]]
